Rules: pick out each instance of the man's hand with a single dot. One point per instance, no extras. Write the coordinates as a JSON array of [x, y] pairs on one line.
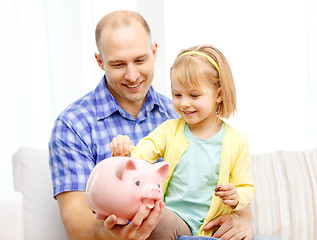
[[235, 226], [121, 146], [81, 224], [137, 229]]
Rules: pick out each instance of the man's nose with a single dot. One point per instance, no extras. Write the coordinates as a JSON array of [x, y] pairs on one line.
[[132, 73]]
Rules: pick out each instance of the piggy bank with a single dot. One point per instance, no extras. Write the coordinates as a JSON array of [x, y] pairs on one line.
[[119, 185]]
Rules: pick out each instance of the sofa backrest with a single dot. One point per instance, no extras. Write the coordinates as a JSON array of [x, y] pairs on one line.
[[285, 204], [31, 176]]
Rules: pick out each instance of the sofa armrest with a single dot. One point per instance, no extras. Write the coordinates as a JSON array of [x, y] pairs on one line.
[[285, 205], [32, 178], [11, 221]]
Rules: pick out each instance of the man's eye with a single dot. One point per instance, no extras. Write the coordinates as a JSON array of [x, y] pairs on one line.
[[140, 61], [116, 64]]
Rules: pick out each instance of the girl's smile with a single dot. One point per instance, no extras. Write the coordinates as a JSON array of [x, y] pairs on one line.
[[197, 105]]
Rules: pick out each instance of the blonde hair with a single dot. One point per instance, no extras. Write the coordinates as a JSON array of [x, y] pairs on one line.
[[117, 19], [190, 69]]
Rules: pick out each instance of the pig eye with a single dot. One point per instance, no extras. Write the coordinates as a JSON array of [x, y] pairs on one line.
[[159, 185], [137, 181]]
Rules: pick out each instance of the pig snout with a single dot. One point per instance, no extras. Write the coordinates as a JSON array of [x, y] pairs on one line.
[[156, 192], [150, 194]]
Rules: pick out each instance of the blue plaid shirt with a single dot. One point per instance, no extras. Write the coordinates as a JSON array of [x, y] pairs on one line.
[[82, 133]]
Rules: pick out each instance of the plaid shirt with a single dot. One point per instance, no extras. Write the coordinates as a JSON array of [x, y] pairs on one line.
[[82, 133]]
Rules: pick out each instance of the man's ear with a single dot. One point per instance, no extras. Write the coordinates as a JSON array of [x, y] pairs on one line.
[[99, 61], [154, 49], [219, 96]]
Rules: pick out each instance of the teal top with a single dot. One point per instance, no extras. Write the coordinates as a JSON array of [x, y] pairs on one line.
[[193, 182]]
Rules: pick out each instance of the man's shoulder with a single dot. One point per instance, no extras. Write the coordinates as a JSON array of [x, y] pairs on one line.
[[166, 104], [88, 104], [163, 98], [82, 107]]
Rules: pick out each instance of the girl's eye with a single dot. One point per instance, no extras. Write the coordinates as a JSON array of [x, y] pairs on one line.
[[194, 96]]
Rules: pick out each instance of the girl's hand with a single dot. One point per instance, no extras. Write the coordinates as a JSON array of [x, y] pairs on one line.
[[228, 193], [121, 146]]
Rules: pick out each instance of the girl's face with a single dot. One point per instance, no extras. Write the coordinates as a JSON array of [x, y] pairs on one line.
[[198, 106]]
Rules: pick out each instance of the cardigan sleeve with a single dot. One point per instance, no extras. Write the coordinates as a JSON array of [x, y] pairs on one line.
[[241, 174], [151, 147]]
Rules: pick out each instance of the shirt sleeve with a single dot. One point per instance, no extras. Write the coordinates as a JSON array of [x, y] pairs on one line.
[[70, 158]]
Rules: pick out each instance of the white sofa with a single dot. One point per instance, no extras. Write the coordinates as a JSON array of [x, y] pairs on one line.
[[285, 205], [31, 175]]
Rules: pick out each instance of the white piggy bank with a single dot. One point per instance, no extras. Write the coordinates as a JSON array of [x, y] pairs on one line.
[[119, 185]]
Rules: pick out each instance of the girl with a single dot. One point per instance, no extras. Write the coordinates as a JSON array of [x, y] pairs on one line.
[[210, 172]]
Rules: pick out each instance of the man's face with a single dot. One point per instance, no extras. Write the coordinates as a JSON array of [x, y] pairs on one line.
[[128, 61]]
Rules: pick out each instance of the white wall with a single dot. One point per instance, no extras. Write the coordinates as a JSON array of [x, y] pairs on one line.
[[270, 49], [47, 61]]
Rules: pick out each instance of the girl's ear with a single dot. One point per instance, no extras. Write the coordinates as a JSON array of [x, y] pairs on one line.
[[219, 96]]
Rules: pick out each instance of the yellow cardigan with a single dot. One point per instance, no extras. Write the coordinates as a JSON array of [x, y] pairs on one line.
[[168, 141]]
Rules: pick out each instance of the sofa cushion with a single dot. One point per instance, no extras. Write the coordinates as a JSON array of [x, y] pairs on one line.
[[285, 204], [32, 178], [11, 221]]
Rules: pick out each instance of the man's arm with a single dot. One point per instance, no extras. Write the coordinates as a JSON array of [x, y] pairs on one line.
[[237, 225], [77, 217], [80, 222]]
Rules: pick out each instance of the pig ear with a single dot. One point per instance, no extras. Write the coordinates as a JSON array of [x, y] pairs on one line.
[[162, 169], [124, 165]]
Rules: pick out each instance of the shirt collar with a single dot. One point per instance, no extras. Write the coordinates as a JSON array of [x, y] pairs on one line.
[[106, 104]]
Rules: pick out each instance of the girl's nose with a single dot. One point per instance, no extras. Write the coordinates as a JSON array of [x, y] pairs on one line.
[[185, 103]]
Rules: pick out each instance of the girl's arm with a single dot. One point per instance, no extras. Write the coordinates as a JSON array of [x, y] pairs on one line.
[[121, 146], [241, 175], [149, 148], [152, 147]]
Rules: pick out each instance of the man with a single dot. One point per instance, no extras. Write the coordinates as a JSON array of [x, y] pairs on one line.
[[123, 103]]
